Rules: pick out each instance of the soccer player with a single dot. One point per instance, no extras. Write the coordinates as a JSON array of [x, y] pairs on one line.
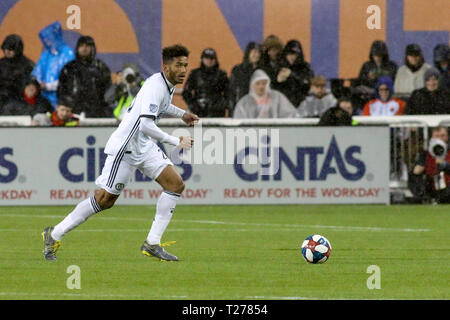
[[130, 147]]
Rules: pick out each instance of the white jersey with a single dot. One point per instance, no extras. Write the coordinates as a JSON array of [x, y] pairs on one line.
[[153, 99]]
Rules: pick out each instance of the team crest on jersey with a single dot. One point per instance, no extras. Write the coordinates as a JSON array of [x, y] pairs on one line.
[[120, 186], [153, 108]]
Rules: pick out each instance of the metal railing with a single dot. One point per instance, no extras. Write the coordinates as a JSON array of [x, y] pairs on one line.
[[407, 139]]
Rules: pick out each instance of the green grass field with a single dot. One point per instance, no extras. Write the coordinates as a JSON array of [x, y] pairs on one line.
[[231, 253]]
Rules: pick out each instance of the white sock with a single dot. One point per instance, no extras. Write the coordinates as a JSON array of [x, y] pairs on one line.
[[164, 211], [81, 213]]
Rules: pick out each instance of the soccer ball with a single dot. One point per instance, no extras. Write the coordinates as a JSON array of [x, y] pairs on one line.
[[316, 249]]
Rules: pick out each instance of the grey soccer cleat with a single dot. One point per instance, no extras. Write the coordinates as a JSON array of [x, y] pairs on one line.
[[155, 250], [50, 245]]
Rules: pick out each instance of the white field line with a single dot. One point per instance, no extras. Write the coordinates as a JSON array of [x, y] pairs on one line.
[[146, 297], [286, 226], [290, 226], [87, 295], [168, 230]]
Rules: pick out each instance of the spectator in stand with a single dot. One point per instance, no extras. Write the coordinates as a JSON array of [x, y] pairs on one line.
[[121, 93], [30, 102], [431, 99], [55, 55], [340, 115], [86, 80], [295, 74], [270, 61], [14, 68], [430, 177], [384, 104], [319, 100], [61, 117], [241, 73], [206, 88], [263, 102], [441, 57], [410, 76], [378, 65]]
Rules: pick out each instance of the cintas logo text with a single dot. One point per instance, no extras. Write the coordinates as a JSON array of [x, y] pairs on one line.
[[315, 163]]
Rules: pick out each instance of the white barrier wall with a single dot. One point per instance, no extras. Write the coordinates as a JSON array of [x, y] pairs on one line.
[[55, 166]]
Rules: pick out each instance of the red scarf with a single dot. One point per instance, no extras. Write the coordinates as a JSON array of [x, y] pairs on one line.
[[31, 100]]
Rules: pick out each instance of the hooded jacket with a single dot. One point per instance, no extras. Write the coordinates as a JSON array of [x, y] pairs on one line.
[[377, 107], [410, 78], [297, 85], [206, 90], [442, 53], [278, 106], [86, 80], [55, 55], [13, 71], [31, 106], [387, 67], [241, 74], [271, 67]]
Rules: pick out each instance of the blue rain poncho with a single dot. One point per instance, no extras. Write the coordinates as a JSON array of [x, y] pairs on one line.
[[55, 55]]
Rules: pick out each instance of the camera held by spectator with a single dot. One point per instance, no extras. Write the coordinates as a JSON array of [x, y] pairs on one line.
[[430, 177], [437, 148], [123, 90], [131, 81]]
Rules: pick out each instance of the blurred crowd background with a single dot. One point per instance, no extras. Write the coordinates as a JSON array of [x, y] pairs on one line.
[[249, 59]]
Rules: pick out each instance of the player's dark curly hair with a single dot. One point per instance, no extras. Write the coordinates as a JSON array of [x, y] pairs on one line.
[[177, 50]]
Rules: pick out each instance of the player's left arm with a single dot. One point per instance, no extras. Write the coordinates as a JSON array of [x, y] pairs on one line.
[[189, 118], [149, 128]]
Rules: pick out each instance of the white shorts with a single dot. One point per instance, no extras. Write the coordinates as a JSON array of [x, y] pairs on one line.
[[117, 173]]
